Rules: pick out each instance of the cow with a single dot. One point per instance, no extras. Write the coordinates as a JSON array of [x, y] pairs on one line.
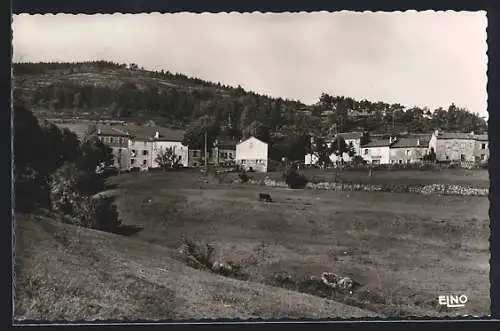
[[265, 197]]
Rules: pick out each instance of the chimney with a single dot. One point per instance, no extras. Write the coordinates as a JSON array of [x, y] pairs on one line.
[[157, 134]]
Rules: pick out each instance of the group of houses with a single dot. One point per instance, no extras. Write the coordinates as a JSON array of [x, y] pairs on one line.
[[138, 147], [446, 146]]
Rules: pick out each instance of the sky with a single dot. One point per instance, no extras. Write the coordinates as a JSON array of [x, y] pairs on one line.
[[413, 58]]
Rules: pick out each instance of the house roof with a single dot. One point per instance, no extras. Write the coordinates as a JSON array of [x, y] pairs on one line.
[[462, 136], [111, 130], [378, 143], [148, 133], [481, 137], [252, 137], [351, 135], [409, 142], [226, 144]]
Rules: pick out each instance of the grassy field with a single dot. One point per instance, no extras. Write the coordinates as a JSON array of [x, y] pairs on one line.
[[403, 249], [64, 272], [406, 248], [474, 178]]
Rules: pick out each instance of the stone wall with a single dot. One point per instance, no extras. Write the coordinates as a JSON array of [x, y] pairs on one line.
[[418, 189]]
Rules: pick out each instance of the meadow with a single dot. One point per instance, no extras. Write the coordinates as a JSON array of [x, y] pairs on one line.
[[403, 251]]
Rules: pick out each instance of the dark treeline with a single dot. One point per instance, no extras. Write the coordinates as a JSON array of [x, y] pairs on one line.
[[190, 103], [54, 171]]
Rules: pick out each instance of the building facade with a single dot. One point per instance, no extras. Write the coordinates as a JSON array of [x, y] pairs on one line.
[[116, 138], [458, 147], [223, 153], [408, 150], [377, 151], [481, 150], [252, 155]]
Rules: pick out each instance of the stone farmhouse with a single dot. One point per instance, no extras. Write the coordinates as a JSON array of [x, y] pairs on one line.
[[116, 137], [252, 155], [459, 147], [409, 149], [138, 146]]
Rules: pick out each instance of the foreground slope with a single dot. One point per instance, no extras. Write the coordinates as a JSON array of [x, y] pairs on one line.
[[72, 273]]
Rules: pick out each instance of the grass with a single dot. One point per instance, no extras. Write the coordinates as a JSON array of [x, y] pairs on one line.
[[64, 272], [403, 249], [474, 178]]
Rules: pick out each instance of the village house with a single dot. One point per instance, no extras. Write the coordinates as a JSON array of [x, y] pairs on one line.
[[377, 151], [195, 158], [252, 155], [352, 139], [459, 147], [409, 149], [146, 143], [116, 138], [481, 150], [223, 152]]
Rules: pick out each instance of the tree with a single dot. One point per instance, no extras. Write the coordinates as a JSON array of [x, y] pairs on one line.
[[322, 150], [167, 159], [94, 155], [195, 133], [258, 130]]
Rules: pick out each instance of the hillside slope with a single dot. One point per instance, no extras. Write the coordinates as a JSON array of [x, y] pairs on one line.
[[72, 273]]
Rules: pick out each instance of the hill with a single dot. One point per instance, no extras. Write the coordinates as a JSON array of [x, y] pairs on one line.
[[64, 272], [110, 90]]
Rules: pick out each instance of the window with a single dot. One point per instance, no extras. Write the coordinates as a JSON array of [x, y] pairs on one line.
[[195, 153], [144, 162], [144, 152], [483, 146], [366, 151], [483, 157], [133, 151], [407, 152], [145, 144], [180, 157], [111, 140], [393, 161], [132, 161], [462, 157], [243, 161], [400, 161]]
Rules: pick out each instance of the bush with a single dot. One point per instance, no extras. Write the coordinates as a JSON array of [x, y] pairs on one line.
[[200, 255], [243, 176], [294, 179]]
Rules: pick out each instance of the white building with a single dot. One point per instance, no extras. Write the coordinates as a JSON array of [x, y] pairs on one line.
[[377, 151], [252, 154], [146, 143]]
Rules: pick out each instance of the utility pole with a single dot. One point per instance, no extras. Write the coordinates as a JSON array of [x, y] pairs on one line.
[[206, 160]]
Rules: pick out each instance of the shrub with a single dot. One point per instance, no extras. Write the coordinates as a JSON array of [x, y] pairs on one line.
[[105, 215], [294, 179], [243, 176], [202, 254]]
